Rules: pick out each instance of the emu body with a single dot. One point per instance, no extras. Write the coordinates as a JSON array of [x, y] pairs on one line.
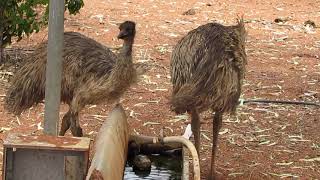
[[91, 74], [207, 70]]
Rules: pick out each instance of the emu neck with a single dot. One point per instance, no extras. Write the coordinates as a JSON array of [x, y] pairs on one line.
[[123, 73], [127, 47]]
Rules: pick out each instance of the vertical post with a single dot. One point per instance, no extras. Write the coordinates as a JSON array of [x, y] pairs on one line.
[[1, 35], [54, 66]]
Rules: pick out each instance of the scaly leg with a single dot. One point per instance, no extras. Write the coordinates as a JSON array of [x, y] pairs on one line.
[[195, 127], [65, 124], [78, 102], [217, 122], [76, 130]]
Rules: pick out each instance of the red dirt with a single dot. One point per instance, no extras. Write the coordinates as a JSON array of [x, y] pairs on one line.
[[262, 141]]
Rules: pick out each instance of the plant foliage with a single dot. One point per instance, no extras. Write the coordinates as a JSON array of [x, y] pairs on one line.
[[23, 17]]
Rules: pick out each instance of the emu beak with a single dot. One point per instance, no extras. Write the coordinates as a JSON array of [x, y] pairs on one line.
[[122, 34]]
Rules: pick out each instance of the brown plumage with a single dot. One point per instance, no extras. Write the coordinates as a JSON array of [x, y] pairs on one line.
[[207, 70], [91, 74]]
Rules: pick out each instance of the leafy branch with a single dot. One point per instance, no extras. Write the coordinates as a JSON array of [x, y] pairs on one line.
[[19, 18]]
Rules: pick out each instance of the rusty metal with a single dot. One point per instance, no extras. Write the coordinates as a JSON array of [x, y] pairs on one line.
[[46, 142], [45, 157], [111, 147]]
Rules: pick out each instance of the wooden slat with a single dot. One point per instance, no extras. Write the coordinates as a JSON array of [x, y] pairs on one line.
[[47, 142], [111, 147]]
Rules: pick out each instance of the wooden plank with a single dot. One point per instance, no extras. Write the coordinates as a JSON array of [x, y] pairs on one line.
[[111, 147], [45, 157], [47, 142], [7, 167], [73, 168], [37, 165], [40, 164]]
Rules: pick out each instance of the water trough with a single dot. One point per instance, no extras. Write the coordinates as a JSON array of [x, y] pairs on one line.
[[110, 163], [67, 158]]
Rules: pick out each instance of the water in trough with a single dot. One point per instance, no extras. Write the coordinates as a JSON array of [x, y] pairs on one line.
[[162, 168]]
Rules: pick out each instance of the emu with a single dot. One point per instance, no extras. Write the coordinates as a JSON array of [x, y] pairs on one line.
[[91, 74], [207, 70]]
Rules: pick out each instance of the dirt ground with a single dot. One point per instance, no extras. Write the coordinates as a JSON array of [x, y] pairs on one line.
[[263, 141]]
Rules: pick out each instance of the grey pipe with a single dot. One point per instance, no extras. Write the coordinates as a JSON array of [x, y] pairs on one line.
[[54, 67]]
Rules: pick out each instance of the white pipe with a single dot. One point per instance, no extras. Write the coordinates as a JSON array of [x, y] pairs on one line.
[[192, 149]]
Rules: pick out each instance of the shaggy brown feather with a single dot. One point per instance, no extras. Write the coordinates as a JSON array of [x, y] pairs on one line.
[[207, 70], [208, 64], [91, 74]]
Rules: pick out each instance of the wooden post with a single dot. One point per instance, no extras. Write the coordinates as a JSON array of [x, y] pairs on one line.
[[54, 66], [111, 147], [1, 36]]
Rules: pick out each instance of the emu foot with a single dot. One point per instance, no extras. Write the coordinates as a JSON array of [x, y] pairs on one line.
[[77, 132], [63, 129], [65, 124], [62, 133], [211, 177]]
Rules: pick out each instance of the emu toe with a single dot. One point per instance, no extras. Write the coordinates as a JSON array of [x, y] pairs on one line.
[[62, 133], [79, 132], [76, 131], [212, 176]]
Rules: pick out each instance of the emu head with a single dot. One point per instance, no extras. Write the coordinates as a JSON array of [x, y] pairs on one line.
[[127, 30]]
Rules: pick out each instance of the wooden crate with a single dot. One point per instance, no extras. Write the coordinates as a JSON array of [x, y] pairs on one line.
[[45, 157]]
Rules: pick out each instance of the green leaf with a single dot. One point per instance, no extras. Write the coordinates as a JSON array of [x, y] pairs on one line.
[[20, 17]]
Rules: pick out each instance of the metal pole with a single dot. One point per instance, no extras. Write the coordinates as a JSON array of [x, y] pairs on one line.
[[54, 66]]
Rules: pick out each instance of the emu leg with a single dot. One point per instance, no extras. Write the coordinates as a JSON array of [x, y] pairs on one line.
[[78, 102], [65, 124], [76, 130], [195, 127], [217, 122]]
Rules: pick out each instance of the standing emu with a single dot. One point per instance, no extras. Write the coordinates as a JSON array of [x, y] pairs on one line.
[[207, 70], [91, 74]]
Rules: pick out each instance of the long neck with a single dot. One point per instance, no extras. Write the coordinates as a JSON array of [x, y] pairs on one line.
[[127, 47], [123, 72]]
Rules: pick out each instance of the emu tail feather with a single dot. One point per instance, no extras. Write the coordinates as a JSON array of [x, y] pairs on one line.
[[184, 100], [11, 102], [27, 89]]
